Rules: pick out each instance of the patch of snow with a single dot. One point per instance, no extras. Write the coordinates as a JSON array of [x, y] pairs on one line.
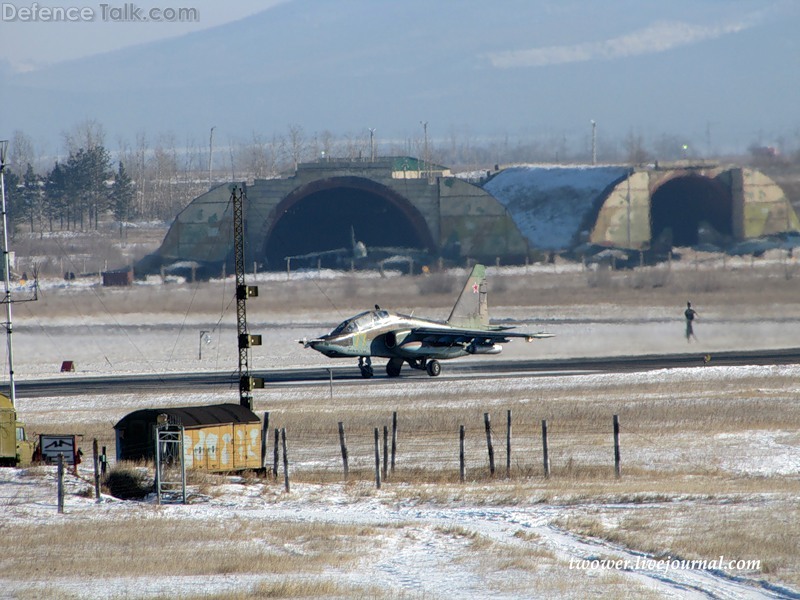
[[550, 204]]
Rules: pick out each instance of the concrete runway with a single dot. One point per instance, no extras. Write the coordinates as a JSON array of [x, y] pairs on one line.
[[219, 381]]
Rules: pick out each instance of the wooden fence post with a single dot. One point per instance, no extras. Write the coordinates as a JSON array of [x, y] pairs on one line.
[[285, 460], [545, 454], [96, 460], [461, 457], [343, 445], [264, 436], [377, 460], [385, 452], [275, 453], [488, 424], [60, 483], [508, 444], [617, 472], [394, 437]]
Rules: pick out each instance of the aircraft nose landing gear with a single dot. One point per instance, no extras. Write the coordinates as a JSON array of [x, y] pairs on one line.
[[433, 368], [365, 364]]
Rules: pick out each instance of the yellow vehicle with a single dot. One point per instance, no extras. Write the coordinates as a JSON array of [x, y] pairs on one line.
[[15, 449]]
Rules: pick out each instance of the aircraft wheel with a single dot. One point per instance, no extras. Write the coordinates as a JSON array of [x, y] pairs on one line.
[[393, 367], [367, 372], [433, 368]]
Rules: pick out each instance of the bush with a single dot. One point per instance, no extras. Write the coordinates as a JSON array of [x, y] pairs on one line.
[[128, 483]]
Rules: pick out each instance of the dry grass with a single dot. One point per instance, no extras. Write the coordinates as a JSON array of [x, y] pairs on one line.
[[765, 531], [286, 588], [161, 546], [716, 285], [691, 450], [669, 429]]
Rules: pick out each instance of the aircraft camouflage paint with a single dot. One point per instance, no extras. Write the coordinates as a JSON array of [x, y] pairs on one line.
[[420, 342]]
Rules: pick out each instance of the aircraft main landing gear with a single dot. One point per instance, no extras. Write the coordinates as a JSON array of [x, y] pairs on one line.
[[365, 364], [433, 368], [393, 367]]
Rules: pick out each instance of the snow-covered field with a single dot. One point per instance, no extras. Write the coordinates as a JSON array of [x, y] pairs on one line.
[[420, 537], [417, 550]]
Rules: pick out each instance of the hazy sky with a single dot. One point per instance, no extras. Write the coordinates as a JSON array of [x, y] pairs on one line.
[[27, 42], [717, 74]]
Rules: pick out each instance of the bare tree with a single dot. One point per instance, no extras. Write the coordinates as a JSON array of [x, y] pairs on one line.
[[88, 134], [164, 168], [297, 144], [260, 156], [635, 152], [328, 142], [668, 147], [21, 154], [139, 164]]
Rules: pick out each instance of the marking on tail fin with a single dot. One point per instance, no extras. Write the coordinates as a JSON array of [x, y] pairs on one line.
[[471, 310]]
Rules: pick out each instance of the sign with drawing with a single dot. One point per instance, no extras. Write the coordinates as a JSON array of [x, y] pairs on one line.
[[53, 445]]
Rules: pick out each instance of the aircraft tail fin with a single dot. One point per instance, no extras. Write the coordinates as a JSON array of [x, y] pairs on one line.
[[471, 310]]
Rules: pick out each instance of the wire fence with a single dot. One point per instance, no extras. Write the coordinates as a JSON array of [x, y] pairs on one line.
[[497, 446], [428, 446]]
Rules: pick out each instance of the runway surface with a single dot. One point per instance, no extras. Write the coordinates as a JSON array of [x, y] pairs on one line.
[[345, 370]]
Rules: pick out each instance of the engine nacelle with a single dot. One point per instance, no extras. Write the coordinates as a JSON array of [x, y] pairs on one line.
[[484, 349], [395, 338]]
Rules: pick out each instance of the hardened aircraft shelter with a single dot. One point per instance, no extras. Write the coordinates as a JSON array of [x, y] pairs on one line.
[[509, 214]]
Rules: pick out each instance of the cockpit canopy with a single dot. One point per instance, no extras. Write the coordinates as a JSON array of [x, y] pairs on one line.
[[361, 322]]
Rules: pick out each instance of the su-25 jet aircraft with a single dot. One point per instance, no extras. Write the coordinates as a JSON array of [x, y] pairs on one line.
[[419, 342]]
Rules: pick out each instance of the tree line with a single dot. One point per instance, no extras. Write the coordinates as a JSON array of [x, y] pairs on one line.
[[75, 193], [72, 195]]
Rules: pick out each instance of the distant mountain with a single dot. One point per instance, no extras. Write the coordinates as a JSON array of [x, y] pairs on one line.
[[724, 70]]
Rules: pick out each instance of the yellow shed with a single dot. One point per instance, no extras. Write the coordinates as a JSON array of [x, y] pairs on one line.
[[219, 437]]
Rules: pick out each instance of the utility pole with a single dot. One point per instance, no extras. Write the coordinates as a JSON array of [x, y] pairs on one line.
[[210, 153], [6, 264], [425, 152], [6, 271]]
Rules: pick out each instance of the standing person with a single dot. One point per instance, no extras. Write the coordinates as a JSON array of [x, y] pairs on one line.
[[690, 315]]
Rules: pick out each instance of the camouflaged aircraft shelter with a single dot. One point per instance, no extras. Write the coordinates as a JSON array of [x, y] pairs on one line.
[[509, 214], [677, 204]]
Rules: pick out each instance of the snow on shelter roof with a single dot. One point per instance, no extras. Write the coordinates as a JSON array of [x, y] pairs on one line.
[[193, 416], [550, 204]]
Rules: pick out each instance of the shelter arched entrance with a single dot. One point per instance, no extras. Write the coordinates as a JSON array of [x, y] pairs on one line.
[[328, 215], [681, 206]]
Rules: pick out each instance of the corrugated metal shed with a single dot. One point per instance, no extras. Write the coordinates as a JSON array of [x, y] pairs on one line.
[[219, 437], [550, 205], [123, 277], [192, 416]]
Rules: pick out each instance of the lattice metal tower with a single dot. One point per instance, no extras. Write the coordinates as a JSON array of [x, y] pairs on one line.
[[243, 292]]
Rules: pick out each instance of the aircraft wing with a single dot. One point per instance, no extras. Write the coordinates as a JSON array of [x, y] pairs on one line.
[[320, 254], [454, 335]]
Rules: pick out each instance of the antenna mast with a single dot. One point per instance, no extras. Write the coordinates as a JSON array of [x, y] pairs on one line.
[[6, 276]]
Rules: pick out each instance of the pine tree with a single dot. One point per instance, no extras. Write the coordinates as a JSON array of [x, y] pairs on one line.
[[55, 189], [32, 197], [122, 195], [13, 200], [86, 174]]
